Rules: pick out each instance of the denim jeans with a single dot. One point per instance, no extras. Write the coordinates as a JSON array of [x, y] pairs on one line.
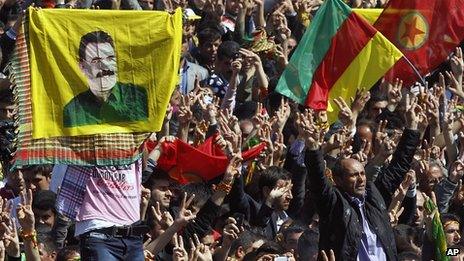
[[98, 246]]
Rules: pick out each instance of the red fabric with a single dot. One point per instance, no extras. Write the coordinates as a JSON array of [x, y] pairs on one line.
[[425, 47], [216, 235], [186, 163]]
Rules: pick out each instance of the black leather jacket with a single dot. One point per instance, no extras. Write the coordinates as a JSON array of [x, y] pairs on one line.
[[340, 226]]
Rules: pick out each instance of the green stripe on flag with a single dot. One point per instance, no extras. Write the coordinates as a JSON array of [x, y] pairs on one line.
[[298, 75], [437, 233]]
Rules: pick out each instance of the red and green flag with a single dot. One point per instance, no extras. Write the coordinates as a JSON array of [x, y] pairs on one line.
[[426, 32], [339, 52]]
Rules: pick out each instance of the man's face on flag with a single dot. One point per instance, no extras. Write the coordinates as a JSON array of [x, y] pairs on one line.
[[100, 67]]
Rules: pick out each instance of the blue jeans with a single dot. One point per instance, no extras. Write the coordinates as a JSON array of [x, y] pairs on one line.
[[97, 246]]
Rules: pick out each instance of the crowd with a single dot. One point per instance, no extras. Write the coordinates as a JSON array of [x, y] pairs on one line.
[[366, 187]]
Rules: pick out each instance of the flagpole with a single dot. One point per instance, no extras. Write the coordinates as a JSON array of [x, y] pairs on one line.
[[414, 69]]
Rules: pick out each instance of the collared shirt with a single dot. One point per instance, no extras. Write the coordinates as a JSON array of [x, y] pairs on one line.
[[371, 248], [126, 103], [183, 78], [279, 218]]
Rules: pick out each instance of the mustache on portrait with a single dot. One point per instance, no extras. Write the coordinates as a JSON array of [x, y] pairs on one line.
[[105, 73]]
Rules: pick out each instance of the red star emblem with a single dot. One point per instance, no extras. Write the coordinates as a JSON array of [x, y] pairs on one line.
[[411, 31]]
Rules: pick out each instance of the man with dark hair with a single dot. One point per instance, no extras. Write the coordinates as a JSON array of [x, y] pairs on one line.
[[267, 251], [353, 214], [291, 236], [221, 80], [272, 211], [106, 100], [7, 107], [14, 184], [43, 205], [160, 185], [209, 40], [37, 177], [202, 193], [308, 245], [451, 226], [247, 242]]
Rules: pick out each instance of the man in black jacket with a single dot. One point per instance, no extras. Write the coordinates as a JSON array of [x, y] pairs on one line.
[[353, 214], [283, 196]]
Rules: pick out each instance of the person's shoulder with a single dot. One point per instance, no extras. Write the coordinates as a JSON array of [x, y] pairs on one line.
[[137, 92], [130, 87], [197, 67], [76, 106], [79, 99]]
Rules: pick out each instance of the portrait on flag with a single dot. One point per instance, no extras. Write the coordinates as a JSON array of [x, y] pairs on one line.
[[113, 73], [106, 100]]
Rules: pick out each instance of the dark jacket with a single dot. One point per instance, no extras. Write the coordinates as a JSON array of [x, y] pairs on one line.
[[259, 214], [340, 226]]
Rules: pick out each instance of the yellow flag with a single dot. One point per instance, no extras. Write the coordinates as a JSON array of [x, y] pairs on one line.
[[370, 14], [101, 71]]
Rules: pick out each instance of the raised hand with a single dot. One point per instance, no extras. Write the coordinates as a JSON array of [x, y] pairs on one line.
[[230, 232], [233, 169], [264, 134], [199, 251], [185, 215], [423, 94], [164, 139], [200, 132], [24, 212], [185, 114], [433, 110], [282, 115], [359, 101], [278, 192], [413, 113], [164, 219], [5, 209], [457, 171], [394, 92], [439, 89], [309, 131], [455, 86], [457, 64], [145, 198], [168, 115], [236, 66], [169, 7], [325, 257], [334, 142], [211, 112], [361, 155], [253, 57], [394, 210], [345, 115], [179, 253], [9, 236], [279, 149], [228, 133], [260, 116], [281, 56]]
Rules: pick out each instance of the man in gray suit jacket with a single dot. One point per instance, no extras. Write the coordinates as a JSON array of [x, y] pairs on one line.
[[188, 72]]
